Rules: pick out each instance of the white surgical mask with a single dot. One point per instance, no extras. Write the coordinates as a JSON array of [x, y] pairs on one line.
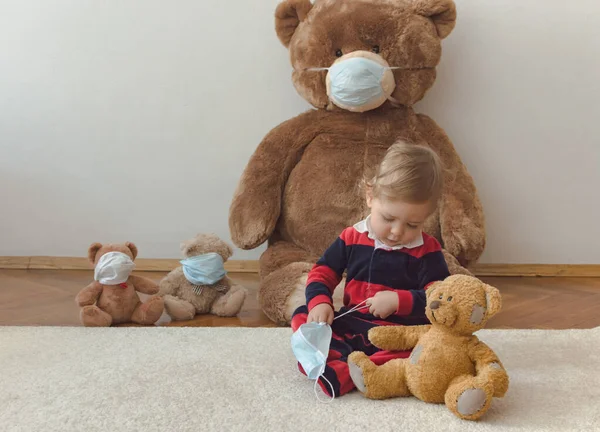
[[113, 268]]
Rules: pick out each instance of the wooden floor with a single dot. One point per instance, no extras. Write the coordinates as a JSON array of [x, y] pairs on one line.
[[47, 297]]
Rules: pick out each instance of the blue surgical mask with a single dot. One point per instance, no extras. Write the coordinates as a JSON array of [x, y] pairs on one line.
[[206, 269], [310, 344], [356, 84]]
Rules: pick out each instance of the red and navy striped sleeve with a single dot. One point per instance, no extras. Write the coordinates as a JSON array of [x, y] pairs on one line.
[[327, 273], [432, 268]]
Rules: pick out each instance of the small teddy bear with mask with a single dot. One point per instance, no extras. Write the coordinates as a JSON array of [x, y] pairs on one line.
[[112, 297], [200, 284]]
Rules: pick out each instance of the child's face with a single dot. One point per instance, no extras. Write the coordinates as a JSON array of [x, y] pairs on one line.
[[397, 222]]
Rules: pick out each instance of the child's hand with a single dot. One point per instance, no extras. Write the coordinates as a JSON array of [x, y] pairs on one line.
[[383, 304], [321, 313]]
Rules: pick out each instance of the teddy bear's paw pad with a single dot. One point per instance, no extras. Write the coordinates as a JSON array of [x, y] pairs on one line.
[[356, 374], [415, 354], [471, 401]]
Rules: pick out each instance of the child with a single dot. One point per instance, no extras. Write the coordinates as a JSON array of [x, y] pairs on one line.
[[389, 262]]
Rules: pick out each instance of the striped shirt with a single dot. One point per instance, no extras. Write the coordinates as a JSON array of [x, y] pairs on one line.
[[371, 267]]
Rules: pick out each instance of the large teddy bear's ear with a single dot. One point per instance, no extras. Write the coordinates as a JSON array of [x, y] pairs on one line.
[[288, 15], [441, 12]]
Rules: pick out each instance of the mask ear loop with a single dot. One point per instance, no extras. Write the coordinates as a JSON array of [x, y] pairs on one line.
[[320, 69], [355, 308], [329, 400]]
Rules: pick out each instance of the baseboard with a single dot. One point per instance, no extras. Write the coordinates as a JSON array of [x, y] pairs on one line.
[[142, 264], [250, 266], [542, 270]]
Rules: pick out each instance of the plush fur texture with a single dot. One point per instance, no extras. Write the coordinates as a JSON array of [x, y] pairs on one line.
[[448, 363], [300, 188], [184, 300], [104, 305]]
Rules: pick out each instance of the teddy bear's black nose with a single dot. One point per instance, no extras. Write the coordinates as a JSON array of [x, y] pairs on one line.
[[434, 305]]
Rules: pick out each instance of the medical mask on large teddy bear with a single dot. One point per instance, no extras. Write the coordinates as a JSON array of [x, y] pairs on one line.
[[359, 81]]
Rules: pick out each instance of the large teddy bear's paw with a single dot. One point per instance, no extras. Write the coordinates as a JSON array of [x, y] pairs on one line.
[[454, 242], [454, 266], [93, 316], [468, 398], [465, 245], [283, 291]]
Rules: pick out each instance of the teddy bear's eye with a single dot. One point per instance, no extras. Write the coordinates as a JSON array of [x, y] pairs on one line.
[[441, 296], [376, 49], [450, 298], [339, 53]]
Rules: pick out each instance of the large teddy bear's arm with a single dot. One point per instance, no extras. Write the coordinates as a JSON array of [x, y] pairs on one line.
[[462, 221], [397, 338], [256, 204], [488, 366], [143, 285], [89, 294]]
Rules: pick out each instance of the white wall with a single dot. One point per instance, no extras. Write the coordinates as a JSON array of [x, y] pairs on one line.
[[132, 120]]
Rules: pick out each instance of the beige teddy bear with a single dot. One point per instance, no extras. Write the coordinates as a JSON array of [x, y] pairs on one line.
[[448, 363], [200, 285]]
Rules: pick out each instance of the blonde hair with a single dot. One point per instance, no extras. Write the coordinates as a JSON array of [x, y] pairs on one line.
[[408, 172]]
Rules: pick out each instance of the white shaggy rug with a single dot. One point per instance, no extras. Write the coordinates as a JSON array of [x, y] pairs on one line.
[[234, 379]]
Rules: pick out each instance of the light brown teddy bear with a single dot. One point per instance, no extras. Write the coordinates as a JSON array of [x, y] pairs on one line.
[[200, 285], [448, 363], [112, 297], [362, 64]]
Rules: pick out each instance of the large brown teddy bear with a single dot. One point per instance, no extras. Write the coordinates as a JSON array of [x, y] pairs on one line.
[[299, 189], [184, 299], [105, 303], [448, 363]]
